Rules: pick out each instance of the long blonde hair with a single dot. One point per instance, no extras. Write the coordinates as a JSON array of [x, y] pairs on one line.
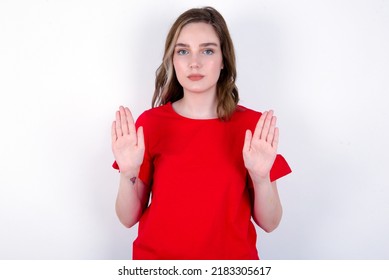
[[167, 87]]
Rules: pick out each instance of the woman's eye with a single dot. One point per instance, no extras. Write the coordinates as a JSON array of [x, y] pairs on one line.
[[182, 52], [208, 52]]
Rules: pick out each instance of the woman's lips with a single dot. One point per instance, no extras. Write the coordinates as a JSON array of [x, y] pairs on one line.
[[195, 77]]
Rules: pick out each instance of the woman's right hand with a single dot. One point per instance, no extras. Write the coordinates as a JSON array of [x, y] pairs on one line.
[[127, 144]]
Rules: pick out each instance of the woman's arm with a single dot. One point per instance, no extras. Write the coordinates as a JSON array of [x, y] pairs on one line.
[[267, 210], [132, 199], [259, 153], [128, 148]]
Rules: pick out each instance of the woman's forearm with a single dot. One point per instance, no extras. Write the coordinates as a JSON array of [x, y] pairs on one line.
[[267, 210], [131, 199]]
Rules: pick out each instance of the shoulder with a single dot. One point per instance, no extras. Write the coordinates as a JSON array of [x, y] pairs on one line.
[[153, 115], [244, 118], [245, 114], [240, 109]]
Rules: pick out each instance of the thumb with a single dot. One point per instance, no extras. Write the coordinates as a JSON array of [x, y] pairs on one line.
[[247, 141]]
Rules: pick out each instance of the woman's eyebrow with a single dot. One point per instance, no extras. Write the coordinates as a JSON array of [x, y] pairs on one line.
[[209, 44], [201, 45], [182, 45]]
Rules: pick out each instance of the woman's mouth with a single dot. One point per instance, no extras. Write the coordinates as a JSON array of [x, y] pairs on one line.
[[195, 77]]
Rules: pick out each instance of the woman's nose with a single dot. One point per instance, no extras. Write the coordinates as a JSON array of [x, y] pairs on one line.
[[194, 62]]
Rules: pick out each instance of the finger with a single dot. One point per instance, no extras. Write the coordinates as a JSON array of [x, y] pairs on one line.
[[266, 125], [130, 122], [270, 135], [259, 126], [247, 141], [141, 138], [119, 131], [123, 121], [276, 137], [113, 132]]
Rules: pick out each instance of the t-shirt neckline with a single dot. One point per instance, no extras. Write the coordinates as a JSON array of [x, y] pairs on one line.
[[170, 107]]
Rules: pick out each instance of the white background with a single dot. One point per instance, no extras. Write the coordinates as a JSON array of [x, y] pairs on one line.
[[65, 67]]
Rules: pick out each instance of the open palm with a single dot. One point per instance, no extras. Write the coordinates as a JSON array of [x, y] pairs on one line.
[[260, 148], [127, 144]]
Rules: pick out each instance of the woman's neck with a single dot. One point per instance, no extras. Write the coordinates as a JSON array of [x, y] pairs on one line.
[[197, 106]]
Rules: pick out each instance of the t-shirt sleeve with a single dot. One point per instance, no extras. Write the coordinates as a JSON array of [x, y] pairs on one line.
[[280, 168], [145, 172], [115, 165]]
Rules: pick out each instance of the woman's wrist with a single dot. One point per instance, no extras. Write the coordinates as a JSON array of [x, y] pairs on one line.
[[130, 175], [258, 179]]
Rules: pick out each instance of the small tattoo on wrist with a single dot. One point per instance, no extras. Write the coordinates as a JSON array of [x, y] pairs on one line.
[[133, 179]]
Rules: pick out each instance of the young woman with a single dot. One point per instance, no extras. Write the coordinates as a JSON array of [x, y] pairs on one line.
[[209, 164]]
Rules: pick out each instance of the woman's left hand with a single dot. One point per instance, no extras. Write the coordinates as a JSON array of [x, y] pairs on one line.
[[260, 148]]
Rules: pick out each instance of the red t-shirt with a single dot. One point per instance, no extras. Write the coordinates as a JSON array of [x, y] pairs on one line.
[[200, 206]]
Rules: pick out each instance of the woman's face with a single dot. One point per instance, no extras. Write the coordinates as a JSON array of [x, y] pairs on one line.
[[198, 58]]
